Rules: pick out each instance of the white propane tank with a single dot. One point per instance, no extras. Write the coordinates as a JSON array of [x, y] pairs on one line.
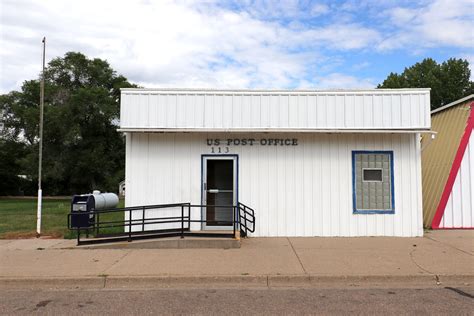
[[105, 200]]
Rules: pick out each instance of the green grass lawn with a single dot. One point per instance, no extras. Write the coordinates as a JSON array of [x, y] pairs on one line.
[[18, 218]]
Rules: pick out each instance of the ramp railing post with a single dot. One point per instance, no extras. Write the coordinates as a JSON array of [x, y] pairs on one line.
[[130, 225], [182, 221], [234, 220], [143, 219], [96, 223], [245, 219], [189, 216]]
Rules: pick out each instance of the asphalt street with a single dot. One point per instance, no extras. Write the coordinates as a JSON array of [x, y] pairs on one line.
[[290, 301]]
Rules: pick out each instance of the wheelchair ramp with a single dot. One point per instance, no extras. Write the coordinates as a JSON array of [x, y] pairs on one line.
[[170, 243]]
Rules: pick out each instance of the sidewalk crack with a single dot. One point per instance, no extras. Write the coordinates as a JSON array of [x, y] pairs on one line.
[[423, 269], [117, 261], [435, 240], [296, 254]]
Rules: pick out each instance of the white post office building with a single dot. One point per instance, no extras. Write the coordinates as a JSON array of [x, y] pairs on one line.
[[310, 163]]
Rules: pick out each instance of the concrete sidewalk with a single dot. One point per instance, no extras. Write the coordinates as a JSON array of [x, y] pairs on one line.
[[441, 257]]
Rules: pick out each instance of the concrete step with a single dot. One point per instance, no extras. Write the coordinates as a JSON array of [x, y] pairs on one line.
[[170, 243]]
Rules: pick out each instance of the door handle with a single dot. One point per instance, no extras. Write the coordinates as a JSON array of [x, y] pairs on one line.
[[213, 191]]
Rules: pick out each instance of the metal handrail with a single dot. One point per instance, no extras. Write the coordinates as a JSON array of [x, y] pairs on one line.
[[242, 218], [244, 221]]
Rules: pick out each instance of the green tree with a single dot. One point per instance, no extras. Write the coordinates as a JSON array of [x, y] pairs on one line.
[[12, 150], [449, 81], [82, 149], [14, 182]]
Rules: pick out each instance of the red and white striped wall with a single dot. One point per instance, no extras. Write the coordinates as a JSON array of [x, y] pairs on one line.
[[456, 207]]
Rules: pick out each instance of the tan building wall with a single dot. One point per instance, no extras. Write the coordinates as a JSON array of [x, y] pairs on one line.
[[438, 156]]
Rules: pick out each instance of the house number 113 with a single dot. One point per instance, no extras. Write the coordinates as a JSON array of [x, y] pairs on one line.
[[219, 150]]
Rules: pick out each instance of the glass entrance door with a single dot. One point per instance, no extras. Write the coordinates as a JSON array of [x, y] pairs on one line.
[[219, 191]]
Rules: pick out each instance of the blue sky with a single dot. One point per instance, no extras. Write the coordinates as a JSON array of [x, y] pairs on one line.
[[237, 44]]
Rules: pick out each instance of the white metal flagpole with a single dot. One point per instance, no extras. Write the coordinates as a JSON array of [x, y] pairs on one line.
[[40, 192]]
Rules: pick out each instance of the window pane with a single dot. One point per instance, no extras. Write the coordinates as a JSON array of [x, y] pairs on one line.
[[373, 175]]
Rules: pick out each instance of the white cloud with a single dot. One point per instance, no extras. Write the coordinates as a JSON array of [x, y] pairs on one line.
[[244, 44], [342, 81], [319, 9], [361, 65], [345, 36], [441, 23], [167, 43], [277, 9], [470, 59]]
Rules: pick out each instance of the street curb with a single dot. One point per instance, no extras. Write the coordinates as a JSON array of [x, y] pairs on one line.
[[233, 281], [115, 282], [48, 283]]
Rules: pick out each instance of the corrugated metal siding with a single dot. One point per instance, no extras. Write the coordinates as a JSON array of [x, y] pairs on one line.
[[303, 190], [373, 109], [438, 157], [459, 211]]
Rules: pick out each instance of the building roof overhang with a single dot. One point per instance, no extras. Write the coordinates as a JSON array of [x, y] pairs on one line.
[[270, 130]]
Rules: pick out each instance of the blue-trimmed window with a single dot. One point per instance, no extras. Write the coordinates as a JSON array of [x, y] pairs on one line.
[[372, 182]]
